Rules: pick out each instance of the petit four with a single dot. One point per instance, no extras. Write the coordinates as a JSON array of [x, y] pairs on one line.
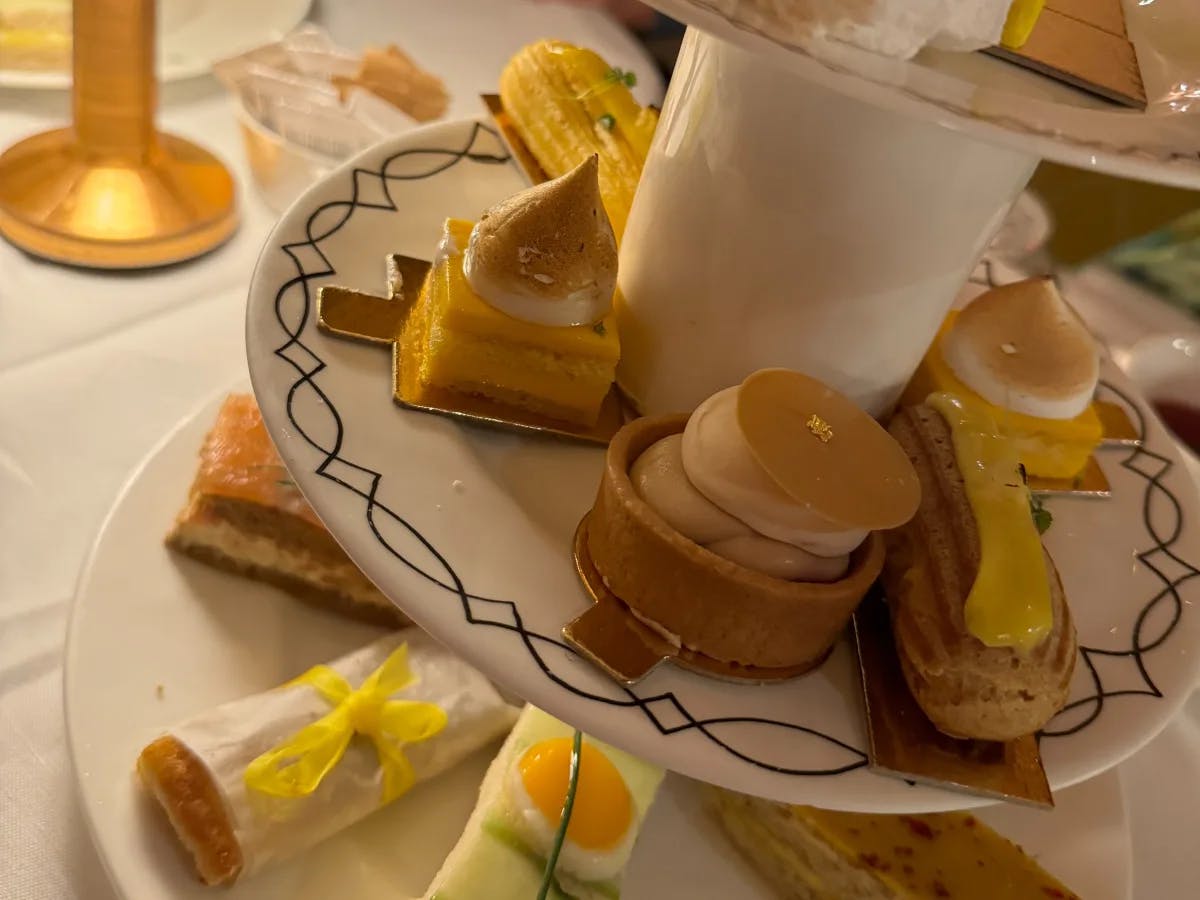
[[815, 854], [245, 515], [745, 531], [261, 779], [982, 627], [568, 104], [512, 836], [1023, 351], [517, 307]]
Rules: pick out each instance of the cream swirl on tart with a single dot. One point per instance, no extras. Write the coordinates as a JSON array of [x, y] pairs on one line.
[[660, 479], [547, 255], [1021, 347], [777, 499]]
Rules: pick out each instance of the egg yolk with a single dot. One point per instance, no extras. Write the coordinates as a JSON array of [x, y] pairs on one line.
[[603, 809]]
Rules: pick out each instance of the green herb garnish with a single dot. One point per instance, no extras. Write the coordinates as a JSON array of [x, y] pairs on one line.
[[607, 122], [611, 79], [620, 76], [568, 804], [1042, 519], [600, 329]]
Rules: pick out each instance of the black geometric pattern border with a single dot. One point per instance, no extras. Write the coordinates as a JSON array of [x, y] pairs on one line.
[[294, 308]]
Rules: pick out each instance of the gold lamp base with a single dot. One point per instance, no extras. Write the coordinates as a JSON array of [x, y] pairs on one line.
[[63, 202]]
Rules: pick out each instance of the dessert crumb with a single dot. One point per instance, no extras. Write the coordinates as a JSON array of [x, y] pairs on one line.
[[159, 691], [458, 485], [1008, 348]]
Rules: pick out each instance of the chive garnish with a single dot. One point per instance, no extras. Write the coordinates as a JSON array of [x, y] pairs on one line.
[[611, 79], [1042, 519], [607, 122], [568, 804]]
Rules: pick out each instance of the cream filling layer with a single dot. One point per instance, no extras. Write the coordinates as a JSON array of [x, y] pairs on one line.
[[659, 478], [344, 578], [229, 737]]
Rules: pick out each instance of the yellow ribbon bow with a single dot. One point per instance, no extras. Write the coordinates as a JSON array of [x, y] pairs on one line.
[[296, 767]]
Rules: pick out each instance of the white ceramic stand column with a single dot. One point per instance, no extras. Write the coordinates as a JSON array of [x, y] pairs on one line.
[[781, 224]]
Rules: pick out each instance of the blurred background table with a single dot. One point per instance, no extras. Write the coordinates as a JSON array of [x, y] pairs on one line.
[[96, 367]]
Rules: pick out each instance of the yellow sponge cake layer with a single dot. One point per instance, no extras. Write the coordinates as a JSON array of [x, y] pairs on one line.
[[465, 345], [1048, 448]]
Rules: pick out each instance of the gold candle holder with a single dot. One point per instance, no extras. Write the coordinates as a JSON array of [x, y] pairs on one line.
[[110, 191]]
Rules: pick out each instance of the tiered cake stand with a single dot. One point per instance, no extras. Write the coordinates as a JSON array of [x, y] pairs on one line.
[[813, 208]]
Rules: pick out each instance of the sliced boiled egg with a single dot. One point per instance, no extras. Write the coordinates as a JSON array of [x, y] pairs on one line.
[[603, 824]]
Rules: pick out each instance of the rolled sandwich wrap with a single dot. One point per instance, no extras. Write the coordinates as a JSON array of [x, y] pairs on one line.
[[198, 769], [967, 688]]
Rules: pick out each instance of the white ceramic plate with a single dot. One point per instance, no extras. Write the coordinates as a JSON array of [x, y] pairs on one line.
[[145, 617], [469, 530], [1003, 103], [192, 35]]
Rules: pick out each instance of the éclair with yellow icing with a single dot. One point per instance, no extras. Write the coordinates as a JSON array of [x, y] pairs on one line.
[[981, 624]]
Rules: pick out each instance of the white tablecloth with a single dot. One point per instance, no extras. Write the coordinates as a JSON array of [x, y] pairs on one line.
[[94, 369]]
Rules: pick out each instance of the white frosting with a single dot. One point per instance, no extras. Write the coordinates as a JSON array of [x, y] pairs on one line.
[[718, 461], [547, 255], [229, 737], [659, 478], [891, 27], [972, 371]]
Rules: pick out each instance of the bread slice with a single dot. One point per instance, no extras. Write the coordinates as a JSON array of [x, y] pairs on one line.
[[245, 515], [814, 854], [967, 689]]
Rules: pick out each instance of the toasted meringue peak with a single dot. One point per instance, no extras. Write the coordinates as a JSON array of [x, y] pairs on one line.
[[547, 255], [1023, 348]]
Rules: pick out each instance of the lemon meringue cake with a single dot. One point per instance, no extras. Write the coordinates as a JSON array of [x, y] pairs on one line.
[[1025, 353], [517, 307]]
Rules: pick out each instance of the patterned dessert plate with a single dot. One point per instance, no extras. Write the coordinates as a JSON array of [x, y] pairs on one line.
[[155, 638], [470, 530]]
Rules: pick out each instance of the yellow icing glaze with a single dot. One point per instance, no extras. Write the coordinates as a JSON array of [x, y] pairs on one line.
[[1022, 16], [1009, 603]]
